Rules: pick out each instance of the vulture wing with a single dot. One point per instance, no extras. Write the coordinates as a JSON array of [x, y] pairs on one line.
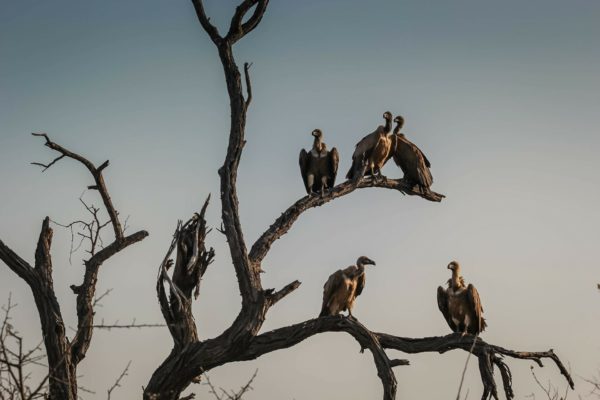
[[334, 159], [304, 161], [442, 299], [412, 161], [393, 147], [360, 284], [334, 282], [475, 304], [427, 163], [367, 144]]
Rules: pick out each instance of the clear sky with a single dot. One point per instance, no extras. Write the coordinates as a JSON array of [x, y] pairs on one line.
[[503, 97]]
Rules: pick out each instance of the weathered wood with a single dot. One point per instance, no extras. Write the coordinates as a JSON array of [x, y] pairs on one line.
[[64, 354]]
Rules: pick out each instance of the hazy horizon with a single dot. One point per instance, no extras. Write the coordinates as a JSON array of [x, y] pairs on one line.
[[502, 97]]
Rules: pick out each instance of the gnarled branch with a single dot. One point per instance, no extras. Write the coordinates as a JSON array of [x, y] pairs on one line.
[[191, 263], [285, 221]]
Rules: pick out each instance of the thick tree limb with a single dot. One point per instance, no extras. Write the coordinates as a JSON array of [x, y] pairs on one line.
[[16, 263], [237, 29], [212, 30], [488, 354], [284, 223], [291, 335]]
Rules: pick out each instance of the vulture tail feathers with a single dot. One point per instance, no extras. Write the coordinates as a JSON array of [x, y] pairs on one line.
[[354, 169]]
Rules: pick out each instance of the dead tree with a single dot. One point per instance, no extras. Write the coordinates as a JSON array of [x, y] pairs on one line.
[[63, 353], [190, 358]]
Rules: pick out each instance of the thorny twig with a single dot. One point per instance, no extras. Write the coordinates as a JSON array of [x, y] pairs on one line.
[[550, 391], [118, 381], [14, 362], [223, 394]]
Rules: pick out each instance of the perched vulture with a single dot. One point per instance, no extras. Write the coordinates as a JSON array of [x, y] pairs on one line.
[[372, 150], [460, 304], [318, 166], [410, 158], [343, 287]]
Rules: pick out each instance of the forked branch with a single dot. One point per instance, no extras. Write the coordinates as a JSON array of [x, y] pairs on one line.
[[63, 354]]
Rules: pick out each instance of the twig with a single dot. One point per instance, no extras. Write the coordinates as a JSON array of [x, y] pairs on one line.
[[118, 381], [462, 378]]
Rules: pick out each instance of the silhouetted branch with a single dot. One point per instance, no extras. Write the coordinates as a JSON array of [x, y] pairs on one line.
[[64, 354], [223, 394], [117, 383], [131, 325], [550, 391], [462, 377], [248, 85], [98, 178], [15, 363], [284, 223]]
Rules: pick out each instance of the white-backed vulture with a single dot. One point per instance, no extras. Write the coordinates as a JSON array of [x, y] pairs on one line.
[[410, 158], [318, 166], [343, 287], [372, 150], [460, 304]]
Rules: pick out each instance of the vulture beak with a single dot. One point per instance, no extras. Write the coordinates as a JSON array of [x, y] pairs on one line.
[[315, 133], [369, 261]]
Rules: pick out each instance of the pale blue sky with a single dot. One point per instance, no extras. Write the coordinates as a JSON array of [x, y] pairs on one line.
[[502, 96]]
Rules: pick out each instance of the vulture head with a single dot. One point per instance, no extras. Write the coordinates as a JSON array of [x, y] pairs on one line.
[[454, 266], [387, 115], [399, 120], [364, 260], [317, 133]]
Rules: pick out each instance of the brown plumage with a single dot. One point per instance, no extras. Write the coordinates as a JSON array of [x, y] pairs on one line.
[[343, 287], [410, 158], [318, 166], [372, 150], [460, 304]]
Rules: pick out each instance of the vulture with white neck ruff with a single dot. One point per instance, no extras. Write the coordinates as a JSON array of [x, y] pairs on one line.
[[460, 304], [343, 287], [372, 150]]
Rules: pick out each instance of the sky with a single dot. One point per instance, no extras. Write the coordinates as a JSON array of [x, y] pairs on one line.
[[503, 97]]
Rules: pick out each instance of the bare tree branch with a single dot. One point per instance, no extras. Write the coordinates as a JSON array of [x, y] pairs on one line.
[[117, 383], [212, 31], [132, 325], [462, 377], [15, 362], [285, 221], [98, 178], [248, 85], [64, 354]]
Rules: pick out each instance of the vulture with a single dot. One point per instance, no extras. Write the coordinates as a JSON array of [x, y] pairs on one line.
[[318, 166], [460, 304], [343, 287], [372, 150], [410, 158]]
